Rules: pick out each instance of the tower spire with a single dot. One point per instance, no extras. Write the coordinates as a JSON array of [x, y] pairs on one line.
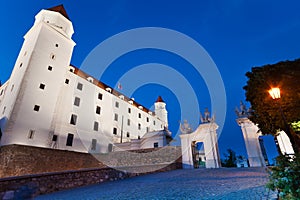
[[60, 9]]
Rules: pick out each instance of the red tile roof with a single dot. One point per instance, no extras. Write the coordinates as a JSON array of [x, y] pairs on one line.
[[60, 9]]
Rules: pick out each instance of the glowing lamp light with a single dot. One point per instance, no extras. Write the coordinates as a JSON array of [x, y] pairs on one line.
[[275, 93]]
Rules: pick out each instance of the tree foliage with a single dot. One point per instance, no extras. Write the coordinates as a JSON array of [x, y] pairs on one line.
[[285, 177], [266, 111], [230, 159]]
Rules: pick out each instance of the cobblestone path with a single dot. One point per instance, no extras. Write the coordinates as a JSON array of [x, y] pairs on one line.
[[223, 183]]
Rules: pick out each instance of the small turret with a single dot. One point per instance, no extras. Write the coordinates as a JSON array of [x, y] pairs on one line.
[[160, 111]]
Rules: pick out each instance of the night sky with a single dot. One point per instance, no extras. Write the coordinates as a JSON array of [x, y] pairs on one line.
[[235, 34]]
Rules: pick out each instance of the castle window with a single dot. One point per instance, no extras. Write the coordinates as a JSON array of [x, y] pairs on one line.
[[155, 144], [140, 115], [129, 110], [70, 139], [96, 126], [54, 138], [115, 131], [128, 122], [79, 86], [117, 104], [100, 96], [52, 56], [73, 119], [139, 126], [128, 134], [90, 79], [116, 117], [21, 64], [98, 110], [109, 148], [147, 119], [31, 134], [1, 92], [94, 143], [139, 137], [4, 110], [36, 108], [147, 129], [42, 86], [67, 81], [12, 87], [153, 122], [77, 101], [50, 68], [56, 45]]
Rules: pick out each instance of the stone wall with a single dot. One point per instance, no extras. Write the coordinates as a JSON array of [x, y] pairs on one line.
[[18, 160], [23, 187], [40, 170]]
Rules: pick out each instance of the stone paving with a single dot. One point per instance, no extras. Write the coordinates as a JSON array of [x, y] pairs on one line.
[[223, 183]]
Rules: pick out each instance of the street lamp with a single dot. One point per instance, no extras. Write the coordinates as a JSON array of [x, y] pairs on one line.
[[275, 94]]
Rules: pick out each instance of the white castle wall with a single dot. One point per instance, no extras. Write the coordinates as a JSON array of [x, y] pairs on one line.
[[45, 59]]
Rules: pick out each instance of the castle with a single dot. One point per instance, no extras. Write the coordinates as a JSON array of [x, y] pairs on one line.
[[49, 103]]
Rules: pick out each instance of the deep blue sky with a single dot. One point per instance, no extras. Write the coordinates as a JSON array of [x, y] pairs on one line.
[[236, 34]]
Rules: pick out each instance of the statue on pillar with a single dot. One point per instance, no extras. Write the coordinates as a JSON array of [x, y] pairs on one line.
[[243, 111], [185, 128], [207, 118]]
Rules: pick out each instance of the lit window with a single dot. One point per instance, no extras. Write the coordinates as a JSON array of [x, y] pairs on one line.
[[31, 134], [116, 117], [115, 131], [42, 86], [98, 110], [100, 96], [155, 144], [77, 101], [129, 110], [128, 122], [117, 104], [139, 126], [70, 139], [96, 126], [79, 86], [50, 68], [94, 143], [67, 81], [36, 108], [73, 119]]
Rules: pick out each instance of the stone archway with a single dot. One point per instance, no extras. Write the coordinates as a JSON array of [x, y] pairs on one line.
[[207, 134]]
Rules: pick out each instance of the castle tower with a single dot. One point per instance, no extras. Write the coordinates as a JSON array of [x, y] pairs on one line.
[[251, 136], [36, 81], [161, 111]]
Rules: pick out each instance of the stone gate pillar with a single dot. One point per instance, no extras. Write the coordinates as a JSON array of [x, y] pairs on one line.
[[251, 135]]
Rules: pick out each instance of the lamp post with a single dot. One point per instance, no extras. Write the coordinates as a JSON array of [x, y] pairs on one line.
[[275, 94]]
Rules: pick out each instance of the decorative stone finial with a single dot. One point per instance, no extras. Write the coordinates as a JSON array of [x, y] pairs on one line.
[[185, 128], [207, 118]]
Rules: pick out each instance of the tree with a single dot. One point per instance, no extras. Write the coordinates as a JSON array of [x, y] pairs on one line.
[[265, 111], [230, 159]]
